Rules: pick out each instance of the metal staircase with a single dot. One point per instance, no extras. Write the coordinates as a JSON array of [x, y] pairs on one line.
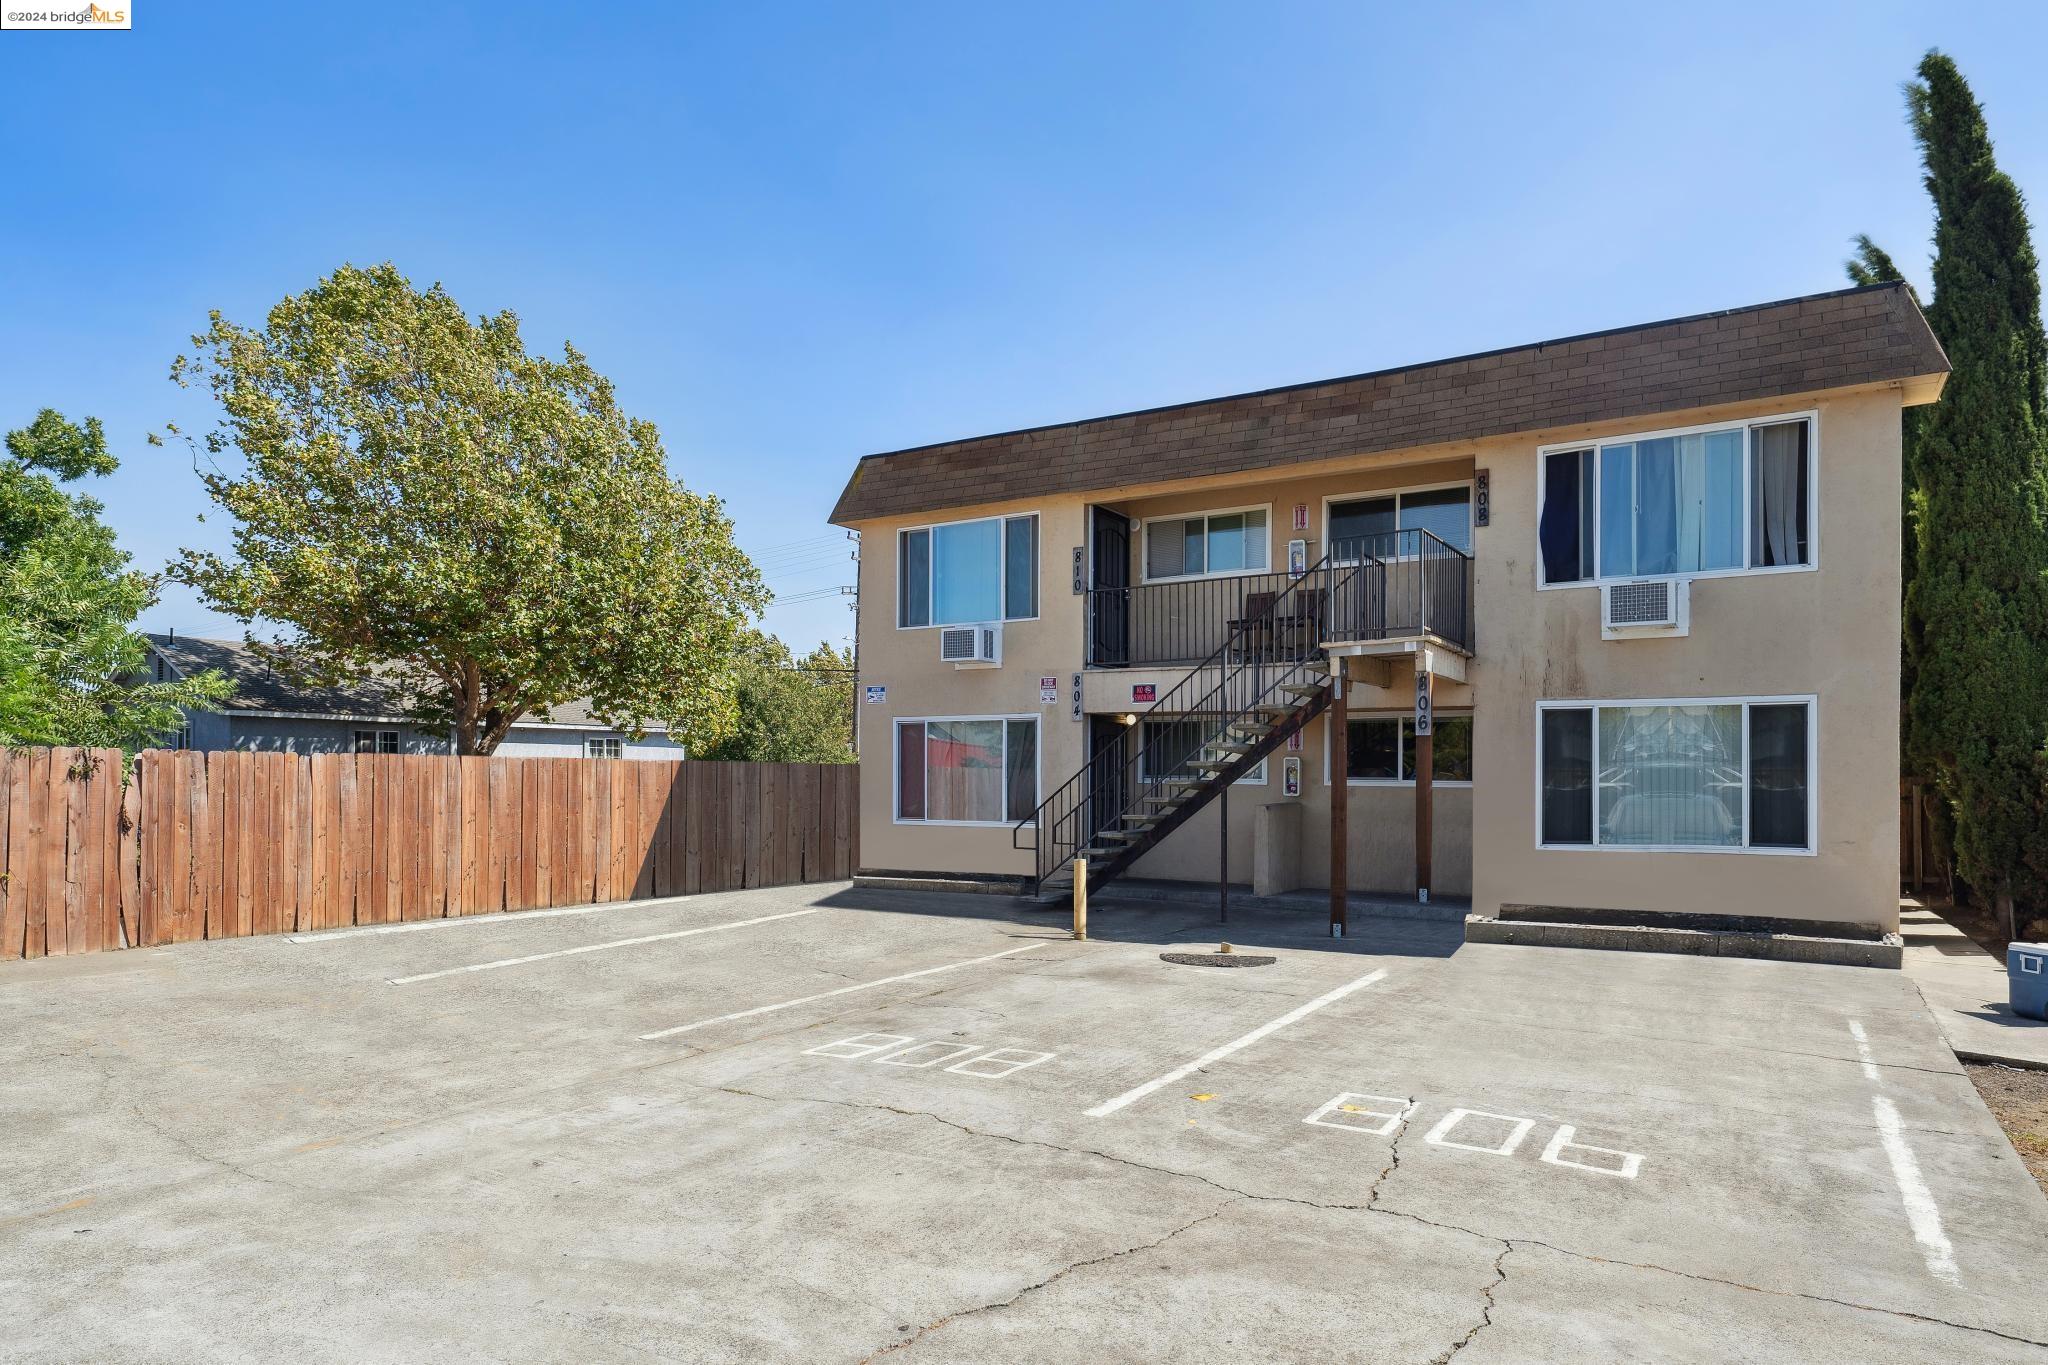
[[1269, 678]]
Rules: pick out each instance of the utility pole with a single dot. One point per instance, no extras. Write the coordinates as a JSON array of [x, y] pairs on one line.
[[853, 605]]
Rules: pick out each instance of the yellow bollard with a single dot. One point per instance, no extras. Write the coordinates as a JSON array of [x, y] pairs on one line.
[[1080, 898]]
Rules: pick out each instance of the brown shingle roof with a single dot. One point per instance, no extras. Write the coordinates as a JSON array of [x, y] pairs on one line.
[[1823, 341]]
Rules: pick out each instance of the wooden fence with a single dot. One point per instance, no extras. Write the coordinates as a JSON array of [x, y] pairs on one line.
[[217, 845], [1921, 868]]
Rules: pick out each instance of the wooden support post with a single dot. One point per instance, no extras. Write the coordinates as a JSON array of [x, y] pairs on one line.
[[1080, 898], [1425, 779], [1340, 801]]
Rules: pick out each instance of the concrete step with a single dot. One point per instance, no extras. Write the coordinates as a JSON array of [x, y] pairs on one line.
[[1629, 938]]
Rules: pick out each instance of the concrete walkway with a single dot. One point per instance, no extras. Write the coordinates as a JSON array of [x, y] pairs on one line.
[[1965, 988]]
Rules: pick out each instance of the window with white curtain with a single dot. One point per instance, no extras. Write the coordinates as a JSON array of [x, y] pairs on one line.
[[1728, 499], [1716, 774]]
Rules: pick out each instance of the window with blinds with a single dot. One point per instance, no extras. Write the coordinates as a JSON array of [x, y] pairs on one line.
[[1211, 543]]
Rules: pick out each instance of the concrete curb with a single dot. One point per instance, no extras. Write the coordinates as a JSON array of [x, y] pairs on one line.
[[1841, 952], [970, 885], [1198, 896]]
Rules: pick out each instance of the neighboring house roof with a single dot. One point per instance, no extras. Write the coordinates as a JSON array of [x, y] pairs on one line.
[[261, 689], [1866, 335]]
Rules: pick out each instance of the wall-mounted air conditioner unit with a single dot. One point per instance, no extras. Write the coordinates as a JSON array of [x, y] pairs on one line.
[[971, 646], [1656, 606]]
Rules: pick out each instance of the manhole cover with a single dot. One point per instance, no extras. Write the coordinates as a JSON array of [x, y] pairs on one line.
[[1218, 959]]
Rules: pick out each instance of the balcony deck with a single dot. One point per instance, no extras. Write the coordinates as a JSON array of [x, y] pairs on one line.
[[1406, 587]]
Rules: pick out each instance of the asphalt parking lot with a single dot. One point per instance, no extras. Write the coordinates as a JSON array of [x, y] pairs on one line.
[[832, 1125]]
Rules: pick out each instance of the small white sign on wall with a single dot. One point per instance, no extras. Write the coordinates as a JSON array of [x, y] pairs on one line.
[[877, 694], [1048, 690]]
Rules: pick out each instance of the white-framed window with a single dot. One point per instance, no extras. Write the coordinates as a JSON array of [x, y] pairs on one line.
[[964, 572], [1380, 751], [1733, 498], [603, 746], [376, 741], [1712, 774], [1444, 510], [966, 770], [1165, 746], [1233, 540]]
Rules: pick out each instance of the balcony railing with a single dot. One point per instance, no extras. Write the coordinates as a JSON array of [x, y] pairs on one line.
[[1413, 584]]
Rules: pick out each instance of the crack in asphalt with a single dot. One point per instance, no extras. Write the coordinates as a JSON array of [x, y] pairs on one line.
[[1372, 1206], [1372, 1196], [1500, 1277], [1049, 1280]]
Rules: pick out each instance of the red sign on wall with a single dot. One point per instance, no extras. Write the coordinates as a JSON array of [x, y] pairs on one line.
[[1144, 691]]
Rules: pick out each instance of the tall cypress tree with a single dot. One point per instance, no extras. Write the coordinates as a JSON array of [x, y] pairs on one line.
[[1978, 599]]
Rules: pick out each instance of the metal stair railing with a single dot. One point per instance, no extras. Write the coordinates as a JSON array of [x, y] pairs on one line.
[[1270, 666]]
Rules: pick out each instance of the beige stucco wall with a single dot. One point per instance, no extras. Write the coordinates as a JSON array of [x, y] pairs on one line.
[[1831, 632]]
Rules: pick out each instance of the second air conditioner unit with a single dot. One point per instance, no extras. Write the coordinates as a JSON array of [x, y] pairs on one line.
[[1653, 606], [971, 646]]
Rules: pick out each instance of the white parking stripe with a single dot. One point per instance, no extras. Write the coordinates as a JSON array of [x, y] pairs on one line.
[[1921, 1212], [827, 995], [1870, 1071], [594, 948], [499, 917], [1108, 1107]]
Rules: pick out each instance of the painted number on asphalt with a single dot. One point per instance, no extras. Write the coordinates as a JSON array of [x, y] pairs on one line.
[[964, 1059], [1473, 1130]]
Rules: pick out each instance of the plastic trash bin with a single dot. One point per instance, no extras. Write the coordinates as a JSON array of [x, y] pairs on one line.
[[2026, 968]]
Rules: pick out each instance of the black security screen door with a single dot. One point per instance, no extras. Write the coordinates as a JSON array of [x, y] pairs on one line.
[[1109, 597]]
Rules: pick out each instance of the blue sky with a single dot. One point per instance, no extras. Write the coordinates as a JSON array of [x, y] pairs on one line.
[[795, 235]]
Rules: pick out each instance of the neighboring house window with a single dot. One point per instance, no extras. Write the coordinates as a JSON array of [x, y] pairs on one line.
[[967, 572], [182, 739], [603, 746], [1382, 749], [1444, 512], [967, 770], [376, 741], [1729, 499], [1165, 746], [1212, 543], [1721, 774]]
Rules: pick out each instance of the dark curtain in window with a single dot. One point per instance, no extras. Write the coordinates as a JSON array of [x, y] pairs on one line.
[[1567, 777], [1020, 568], [1565, 532], [910, 771], [1020, 776], [1777, 776], [914, 578]]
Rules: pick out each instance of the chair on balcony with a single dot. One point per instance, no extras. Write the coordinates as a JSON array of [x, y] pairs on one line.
[[1290, 632]]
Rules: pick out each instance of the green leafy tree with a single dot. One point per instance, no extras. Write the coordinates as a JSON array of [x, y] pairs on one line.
[[1977, 598], [70, 664], [790, 710], [420, 499]]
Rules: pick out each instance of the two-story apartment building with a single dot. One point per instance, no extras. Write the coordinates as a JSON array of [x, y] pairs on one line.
[[1608, 623]]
